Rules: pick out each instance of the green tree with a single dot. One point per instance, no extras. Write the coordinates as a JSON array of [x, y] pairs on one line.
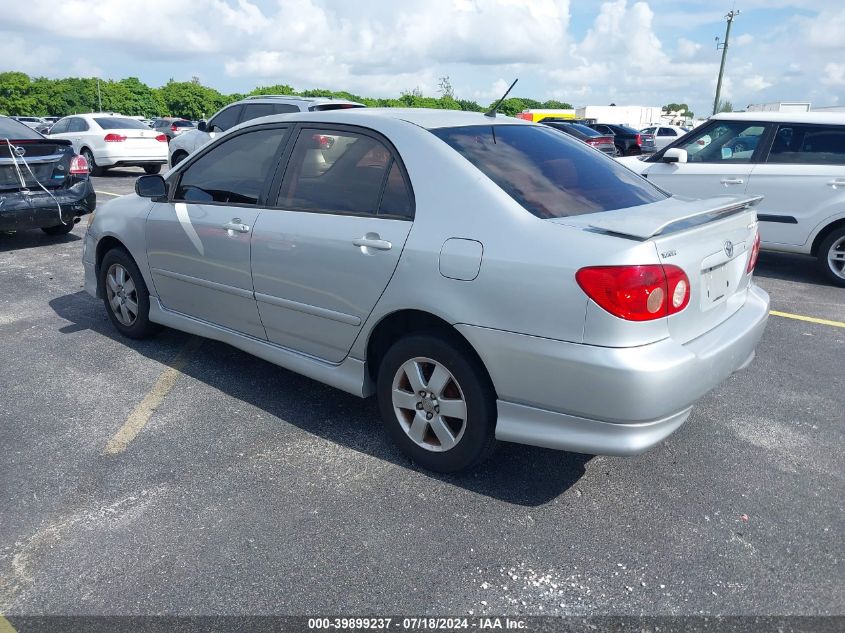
[[190, 99], [444, 87], [726, 106], [16, 95], [683, 108]]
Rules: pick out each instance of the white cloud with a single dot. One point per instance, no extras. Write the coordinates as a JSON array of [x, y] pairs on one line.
[[687, 49], [17, 54], [834, 74], [745, 39], [756, 82]]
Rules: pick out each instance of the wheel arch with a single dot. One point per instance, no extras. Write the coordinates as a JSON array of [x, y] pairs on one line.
[[104, 245], [822, 235], [402, 323]]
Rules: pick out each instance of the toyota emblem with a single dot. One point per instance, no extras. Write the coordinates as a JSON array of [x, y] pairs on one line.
[[729, 248]]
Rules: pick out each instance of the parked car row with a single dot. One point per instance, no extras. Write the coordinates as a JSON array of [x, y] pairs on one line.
[[795, 161], [546, 295]]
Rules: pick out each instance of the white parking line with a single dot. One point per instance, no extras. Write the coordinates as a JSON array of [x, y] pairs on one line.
[[108, 193]]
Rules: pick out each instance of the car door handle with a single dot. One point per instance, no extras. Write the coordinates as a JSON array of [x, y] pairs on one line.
[[236, 226], [839, 182], [731, 181], [373, 242]]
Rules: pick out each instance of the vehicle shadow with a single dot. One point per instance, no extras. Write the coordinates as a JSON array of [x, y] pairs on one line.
[[790, 267], [32, 238], [521, 475]]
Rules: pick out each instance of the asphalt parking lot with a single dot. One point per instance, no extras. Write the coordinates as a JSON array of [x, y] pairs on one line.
[[248, 489]]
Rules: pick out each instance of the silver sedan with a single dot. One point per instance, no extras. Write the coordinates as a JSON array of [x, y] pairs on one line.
[[485, 278]]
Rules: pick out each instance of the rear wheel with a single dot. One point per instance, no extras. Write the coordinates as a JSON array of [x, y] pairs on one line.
[[125, 295], [152, 169], [831, 256], [437, 402], [93, 169], [61, 229]]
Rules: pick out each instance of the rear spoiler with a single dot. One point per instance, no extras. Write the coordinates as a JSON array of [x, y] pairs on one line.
[[665, 217]]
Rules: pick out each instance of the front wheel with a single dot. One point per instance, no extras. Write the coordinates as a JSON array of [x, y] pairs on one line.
[[152, 169], [125, 295], [831, 256], [437, 403]]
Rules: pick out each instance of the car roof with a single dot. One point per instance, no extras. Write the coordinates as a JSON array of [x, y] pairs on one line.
[[428, 118], [837, 118], [311, 100]]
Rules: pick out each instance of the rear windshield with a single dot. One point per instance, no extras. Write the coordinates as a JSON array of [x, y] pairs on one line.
[[119, 123], [550, 174], [182, 123], [11, 129], [624, 129]]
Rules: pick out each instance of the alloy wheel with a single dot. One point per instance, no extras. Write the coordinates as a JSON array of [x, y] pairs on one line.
[[836, 257], [122, 294], [429, 404]]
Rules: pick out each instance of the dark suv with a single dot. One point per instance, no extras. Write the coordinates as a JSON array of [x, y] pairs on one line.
[[627, 140]]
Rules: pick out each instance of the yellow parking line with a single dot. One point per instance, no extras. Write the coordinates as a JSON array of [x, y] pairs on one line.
[[801, 317], [108, 193], [6, 626], [144, 411]]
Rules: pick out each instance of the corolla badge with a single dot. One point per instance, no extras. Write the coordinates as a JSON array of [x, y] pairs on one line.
[[729, 248]]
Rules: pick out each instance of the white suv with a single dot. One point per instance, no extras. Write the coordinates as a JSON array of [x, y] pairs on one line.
[[797, 161], [246, 110], [656, 137]]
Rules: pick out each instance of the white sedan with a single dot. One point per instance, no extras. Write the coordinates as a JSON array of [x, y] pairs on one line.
[[110, 140]]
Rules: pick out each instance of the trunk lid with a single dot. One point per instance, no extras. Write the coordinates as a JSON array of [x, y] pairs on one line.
[[49, 160], [710, 240]]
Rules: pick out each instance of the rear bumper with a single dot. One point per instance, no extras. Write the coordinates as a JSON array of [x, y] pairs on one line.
[[156, 156], [613, 401], [20, 211]]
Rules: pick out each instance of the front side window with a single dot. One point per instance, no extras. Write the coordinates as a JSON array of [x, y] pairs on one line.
[[808, 145], [335, 171], [549, 174], [226, 119], [234, 171], [256, 110], [666, 131], [724, 142]]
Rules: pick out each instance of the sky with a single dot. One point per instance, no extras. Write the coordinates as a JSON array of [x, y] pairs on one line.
[[628, 52]]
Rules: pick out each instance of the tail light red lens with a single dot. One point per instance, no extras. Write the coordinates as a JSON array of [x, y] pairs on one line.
[[173, 128], [755, 254], [636, 293], [639, 139], [114, 138], [78, 166], [162, 138]]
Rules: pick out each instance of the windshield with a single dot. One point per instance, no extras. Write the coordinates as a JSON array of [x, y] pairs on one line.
[[181, 124], [549, 174], [119, 123], [11, 129]]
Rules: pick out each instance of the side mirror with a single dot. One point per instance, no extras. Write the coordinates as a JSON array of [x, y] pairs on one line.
[[675, 155], [202, 126], [151, 187]]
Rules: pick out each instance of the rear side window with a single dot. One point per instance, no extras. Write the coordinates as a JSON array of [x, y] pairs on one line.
[[396, 199], [666, 131], [119, 123], [284, 108], [11, 129], [549, 174], [335, 171], [225, 119], [234, 171], [77, 125], [256, 110], [808, 144]]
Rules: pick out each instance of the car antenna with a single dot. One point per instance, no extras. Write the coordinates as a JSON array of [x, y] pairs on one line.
[[492, 112]]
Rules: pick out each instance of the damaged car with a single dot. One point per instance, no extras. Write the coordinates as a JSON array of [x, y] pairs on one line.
[[43, 182]]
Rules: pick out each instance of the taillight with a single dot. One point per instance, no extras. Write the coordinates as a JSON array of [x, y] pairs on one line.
[[114, 138], [639, 140], [593, 141], [173, 128], [78, 166], [162, 138], [755, 253], [636, 293]]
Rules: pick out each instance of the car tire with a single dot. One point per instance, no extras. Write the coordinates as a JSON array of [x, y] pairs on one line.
[[59, 229], [122, 291], [177, 158], [415, 422], [93, 169], [831, 256], [152, 169]]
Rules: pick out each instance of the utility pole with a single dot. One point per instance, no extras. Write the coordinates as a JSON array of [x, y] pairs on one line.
[[724, 46], [99, 96]]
